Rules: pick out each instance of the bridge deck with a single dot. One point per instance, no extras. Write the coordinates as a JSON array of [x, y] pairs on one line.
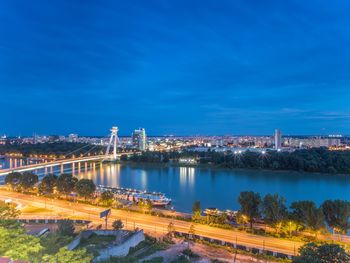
[[32, 167]]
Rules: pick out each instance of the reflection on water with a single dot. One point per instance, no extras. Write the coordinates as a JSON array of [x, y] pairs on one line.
[[187, 176], [6, 163], [212, 187]]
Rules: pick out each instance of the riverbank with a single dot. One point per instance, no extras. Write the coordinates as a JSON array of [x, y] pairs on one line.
[[320, 160], [223, 168]]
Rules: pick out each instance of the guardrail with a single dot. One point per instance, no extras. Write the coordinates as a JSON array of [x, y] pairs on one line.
[[51, 221], [235, 245]]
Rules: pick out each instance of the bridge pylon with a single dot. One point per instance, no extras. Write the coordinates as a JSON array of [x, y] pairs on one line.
[[113, 140]]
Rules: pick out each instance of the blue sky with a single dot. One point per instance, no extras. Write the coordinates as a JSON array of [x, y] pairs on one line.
[[175, 67]]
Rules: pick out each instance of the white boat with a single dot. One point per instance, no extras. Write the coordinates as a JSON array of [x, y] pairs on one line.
[[134, 195]]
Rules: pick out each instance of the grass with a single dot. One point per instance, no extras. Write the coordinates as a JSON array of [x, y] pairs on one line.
[[181, 259], [154, 260], [35, 210], [188, 252], [97, 241]]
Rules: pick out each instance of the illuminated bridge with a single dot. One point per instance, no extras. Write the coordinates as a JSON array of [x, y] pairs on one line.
[[113, 142]]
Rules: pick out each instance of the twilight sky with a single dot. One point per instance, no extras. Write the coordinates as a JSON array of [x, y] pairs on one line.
[[175, 67]]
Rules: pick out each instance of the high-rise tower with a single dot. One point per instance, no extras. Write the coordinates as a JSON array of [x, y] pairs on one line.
[[139, 139], [278, 139]]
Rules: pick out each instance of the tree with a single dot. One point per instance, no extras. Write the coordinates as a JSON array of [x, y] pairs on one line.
[[326, 253], [145, 205], [107, 198], [28, 180], [72, 256], [8, 211], [13, 179], [171, 228], [66, 183], [48, 184], [196, 211], [53, 242], [308, 215], [118, 224], [250, 203], [16, 244], [337, 213], [66, 227], [85, 188], [274, 209], [192, 229]]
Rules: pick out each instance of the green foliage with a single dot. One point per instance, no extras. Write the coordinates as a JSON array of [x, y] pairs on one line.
[[56, 148], [154, 260], [274, 209], [171, 228], [47, 184], [53, 242], [9, 224], [219, 219], [181, 259], [188, 252], [337, 213], [28, 180], [16, 244], [107, 198], [325, 253], [85, 188], [66, 227], [250, 203], [196, 211], [145, 205], [13, 179], [307, 214], [117, 224], [192, 230], [66, 183], [8, 211], [64, 255], [307, 160]]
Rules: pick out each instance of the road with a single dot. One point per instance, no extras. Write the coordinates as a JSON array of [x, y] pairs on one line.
[[151, 224]]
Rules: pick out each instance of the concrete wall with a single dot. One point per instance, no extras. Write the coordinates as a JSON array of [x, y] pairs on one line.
[[122, 249], [76, 241], [124, 241]]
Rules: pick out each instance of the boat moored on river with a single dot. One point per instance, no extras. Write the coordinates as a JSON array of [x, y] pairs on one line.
[[135, 196]]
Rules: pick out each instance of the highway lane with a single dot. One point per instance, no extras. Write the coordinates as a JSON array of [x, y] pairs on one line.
[[151, 224]]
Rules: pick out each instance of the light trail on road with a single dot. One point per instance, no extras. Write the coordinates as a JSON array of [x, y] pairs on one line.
[[151, 224]]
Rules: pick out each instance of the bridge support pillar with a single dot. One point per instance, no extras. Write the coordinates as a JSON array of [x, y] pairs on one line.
[[79, 167], [62, 168], [113, 141]]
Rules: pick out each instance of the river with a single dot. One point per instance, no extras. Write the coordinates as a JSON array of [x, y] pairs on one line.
[[213, 187]]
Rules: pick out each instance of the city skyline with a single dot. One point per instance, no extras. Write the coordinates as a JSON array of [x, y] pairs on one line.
[[175, 68]]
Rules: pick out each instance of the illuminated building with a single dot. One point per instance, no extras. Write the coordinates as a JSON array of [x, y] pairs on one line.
[[139, 139], [278, 139]]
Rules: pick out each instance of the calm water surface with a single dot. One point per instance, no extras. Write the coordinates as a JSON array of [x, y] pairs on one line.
[[214, 187]]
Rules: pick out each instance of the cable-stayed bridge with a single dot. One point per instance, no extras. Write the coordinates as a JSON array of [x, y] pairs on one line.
[[113, 143]]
